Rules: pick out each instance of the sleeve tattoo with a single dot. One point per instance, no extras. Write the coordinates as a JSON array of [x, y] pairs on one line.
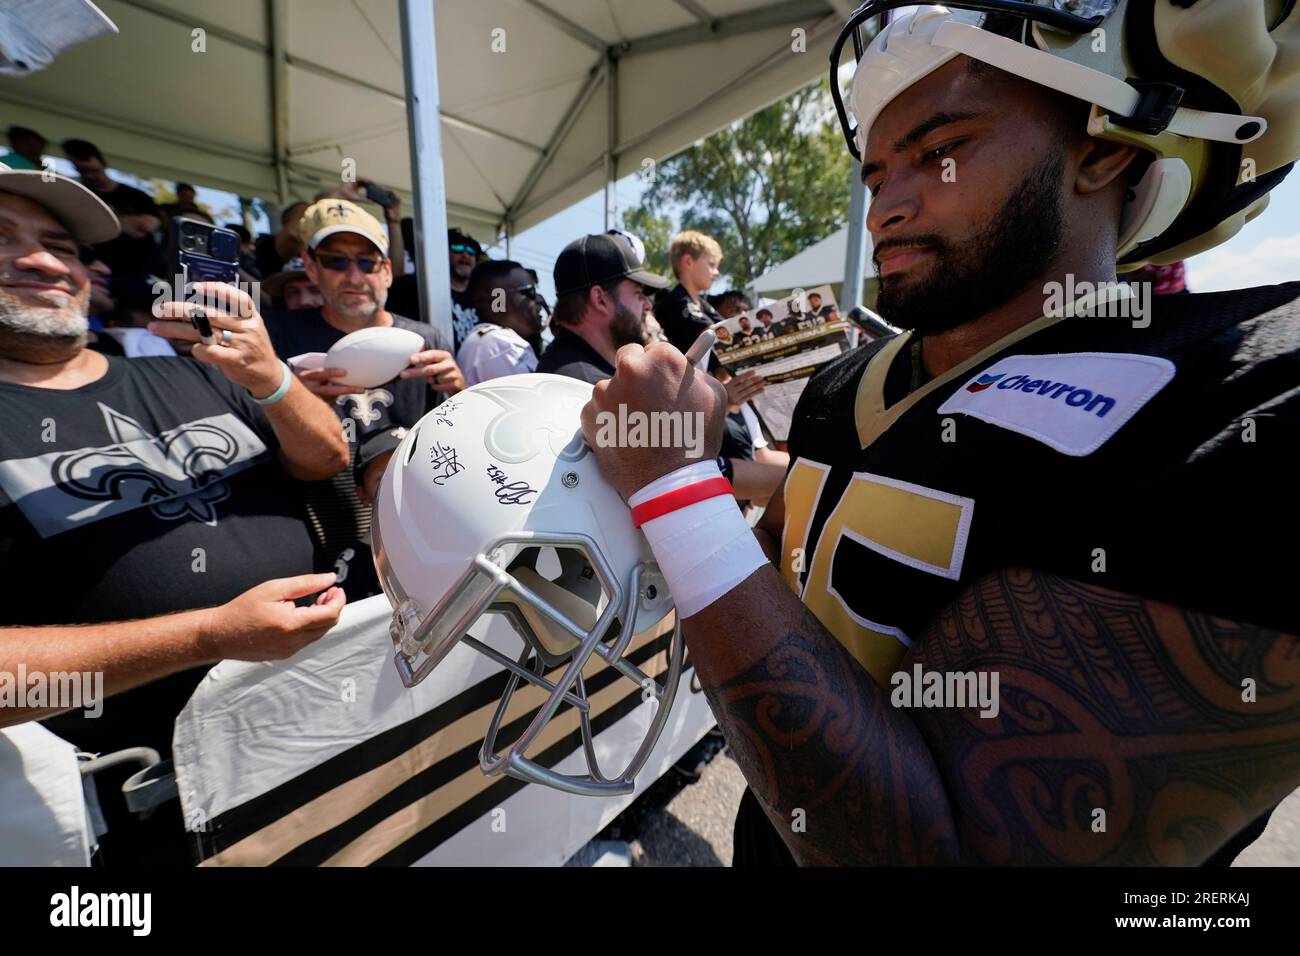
[[1128, 732]]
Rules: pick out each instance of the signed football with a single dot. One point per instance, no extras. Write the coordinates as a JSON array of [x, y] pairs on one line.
[[373, 356]]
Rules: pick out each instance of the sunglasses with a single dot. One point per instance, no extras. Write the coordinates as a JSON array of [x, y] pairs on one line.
[[367, 264], [462, 248], [530, 292]]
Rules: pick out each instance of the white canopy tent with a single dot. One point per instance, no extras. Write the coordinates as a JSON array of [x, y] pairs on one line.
[[542, 101], [822, 263]]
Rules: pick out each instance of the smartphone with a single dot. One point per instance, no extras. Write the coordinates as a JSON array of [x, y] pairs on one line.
[[381, 196], [201, 252]]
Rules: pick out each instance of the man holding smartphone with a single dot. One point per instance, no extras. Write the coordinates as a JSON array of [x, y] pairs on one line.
[[151, 521]]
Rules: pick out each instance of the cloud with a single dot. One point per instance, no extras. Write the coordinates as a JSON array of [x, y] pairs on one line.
[[1232, 266]]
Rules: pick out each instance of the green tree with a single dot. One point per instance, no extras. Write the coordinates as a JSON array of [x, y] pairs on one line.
[[655, 231], [766, 187]]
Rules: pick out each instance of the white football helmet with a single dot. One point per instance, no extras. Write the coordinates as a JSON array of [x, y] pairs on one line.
[[472, 500]]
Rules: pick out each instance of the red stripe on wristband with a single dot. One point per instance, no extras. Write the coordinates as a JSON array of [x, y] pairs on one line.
[[679, 498]]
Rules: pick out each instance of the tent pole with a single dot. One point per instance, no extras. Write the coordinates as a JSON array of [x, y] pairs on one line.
[[429, 191], [855, 249], [276, 13], [611, 140]]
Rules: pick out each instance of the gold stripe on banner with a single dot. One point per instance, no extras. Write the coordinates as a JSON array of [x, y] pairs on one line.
[[337, 806], [392, 832]]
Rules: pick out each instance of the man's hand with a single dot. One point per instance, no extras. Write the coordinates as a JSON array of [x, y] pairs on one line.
[[319, 383], [393, 213], [650, 379], [741, 388], [248, 358], [439, 368], [263, 623]]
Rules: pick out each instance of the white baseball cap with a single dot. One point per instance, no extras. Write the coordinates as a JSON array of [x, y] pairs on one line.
[[84, 214]]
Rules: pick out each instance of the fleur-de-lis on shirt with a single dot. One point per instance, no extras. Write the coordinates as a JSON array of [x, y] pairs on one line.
[[177, 473]]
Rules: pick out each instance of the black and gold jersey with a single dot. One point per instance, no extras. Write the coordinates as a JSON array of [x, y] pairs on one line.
[[1154, 457]]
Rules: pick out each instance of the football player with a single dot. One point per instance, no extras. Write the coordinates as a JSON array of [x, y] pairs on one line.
[[747, 335], [817, 312], [1083, 509]]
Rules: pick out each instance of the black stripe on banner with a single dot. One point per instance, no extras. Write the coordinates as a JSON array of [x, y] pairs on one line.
[[240, 822], [235, 824], [428, 839], [320, 848]]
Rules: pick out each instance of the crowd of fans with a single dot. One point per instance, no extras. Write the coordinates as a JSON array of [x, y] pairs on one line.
[[200, 501]]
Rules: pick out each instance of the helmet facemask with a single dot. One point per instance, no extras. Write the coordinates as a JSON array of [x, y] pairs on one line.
[[565, 621]]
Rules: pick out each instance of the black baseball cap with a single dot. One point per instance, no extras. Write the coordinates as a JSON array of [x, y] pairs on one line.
[[595, 260]]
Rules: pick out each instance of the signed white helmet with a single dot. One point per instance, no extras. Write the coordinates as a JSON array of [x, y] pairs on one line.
[[472, 501]]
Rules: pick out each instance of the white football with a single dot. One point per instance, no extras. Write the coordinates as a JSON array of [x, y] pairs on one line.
[[373, 356]]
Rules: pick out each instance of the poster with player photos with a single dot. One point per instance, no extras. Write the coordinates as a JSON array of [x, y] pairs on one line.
[[785, 342]]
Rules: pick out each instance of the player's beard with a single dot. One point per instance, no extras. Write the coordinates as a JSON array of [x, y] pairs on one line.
[[970, 278], [40, 319], [628, 328]]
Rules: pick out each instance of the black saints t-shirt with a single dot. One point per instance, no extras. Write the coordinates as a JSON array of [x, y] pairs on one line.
[[153, 490]]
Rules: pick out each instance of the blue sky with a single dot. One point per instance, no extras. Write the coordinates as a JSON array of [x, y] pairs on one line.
[[1265, 251]]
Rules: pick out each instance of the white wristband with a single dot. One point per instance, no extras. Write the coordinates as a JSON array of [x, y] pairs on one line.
[[705, 549]]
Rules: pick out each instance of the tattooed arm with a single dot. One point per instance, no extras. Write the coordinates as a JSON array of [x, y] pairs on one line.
[[1107, 702]]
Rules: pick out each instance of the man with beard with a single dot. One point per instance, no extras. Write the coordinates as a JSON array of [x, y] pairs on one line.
[[817, 312], [463, 253], [150, 520], [1011, 495], [747, 335], [347, 258], [600, 306]]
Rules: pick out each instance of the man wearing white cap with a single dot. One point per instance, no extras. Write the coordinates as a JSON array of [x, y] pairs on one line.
[[150, 517]]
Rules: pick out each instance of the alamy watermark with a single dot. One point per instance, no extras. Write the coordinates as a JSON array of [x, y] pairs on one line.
[[74, 908], [637, 429], [1100, 300], [182, 291], [54, 690], [956, 689]]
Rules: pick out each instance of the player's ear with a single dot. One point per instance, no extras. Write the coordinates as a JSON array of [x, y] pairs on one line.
[[311, 267], [1102, 163]]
